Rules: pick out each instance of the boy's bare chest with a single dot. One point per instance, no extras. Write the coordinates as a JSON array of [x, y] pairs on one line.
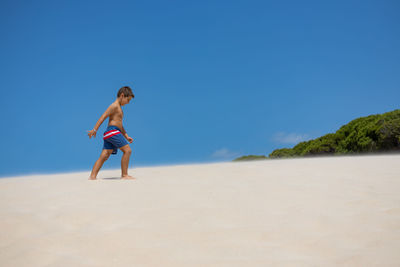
[[117, 114]]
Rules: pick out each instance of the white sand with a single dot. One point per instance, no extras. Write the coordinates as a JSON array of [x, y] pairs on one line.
[[342, 211]]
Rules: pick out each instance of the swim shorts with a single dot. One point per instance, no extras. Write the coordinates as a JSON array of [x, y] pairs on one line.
[[113, 139]]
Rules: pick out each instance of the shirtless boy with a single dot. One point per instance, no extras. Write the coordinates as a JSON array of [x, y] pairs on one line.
[[115, 136]]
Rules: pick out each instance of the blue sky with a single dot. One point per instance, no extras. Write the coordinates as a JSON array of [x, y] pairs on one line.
[[213, 80]]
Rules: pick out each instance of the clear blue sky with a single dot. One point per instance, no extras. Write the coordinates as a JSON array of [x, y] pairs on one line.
[[213, 80]]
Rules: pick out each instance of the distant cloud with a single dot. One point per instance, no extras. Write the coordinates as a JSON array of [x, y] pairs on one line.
[[290, 138], [224, 153]]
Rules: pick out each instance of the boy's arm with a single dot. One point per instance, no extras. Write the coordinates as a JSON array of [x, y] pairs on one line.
[[130, 139], [105, 115], [124, 132]]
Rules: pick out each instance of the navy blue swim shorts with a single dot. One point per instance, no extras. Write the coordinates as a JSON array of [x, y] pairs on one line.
[[113, 139]]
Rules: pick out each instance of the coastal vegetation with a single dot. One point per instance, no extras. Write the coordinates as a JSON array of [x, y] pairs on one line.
[[251, 157], [372, 134]]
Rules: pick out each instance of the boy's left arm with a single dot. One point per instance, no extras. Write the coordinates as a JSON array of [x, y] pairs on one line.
[[124, 133]]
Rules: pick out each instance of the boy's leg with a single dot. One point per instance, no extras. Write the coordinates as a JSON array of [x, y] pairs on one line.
[[105, 154], [125, 161]]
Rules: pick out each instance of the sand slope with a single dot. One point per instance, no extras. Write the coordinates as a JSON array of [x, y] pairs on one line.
[[342, 211]]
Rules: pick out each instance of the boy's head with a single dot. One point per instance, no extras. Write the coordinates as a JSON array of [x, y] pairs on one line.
[[125, 94]]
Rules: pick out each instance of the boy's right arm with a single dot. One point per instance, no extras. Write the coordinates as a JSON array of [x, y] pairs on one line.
[[107, 113]]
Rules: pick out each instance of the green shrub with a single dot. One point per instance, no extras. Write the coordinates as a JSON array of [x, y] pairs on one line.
[[251, 157], [374, 133]]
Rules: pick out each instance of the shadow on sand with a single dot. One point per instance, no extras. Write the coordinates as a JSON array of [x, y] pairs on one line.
[[112, 178]]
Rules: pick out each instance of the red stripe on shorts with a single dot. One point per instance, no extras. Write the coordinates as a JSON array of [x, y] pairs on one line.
[[110, 133]]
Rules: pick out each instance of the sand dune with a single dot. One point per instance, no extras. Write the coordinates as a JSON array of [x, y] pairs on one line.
[[342, 211]]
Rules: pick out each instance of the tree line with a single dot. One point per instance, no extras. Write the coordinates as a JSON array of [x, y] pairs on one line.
[[371, 134]]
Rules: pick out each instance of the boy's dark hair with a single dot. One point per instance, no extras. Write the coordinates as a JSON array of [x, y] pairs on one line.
[[126, 90]]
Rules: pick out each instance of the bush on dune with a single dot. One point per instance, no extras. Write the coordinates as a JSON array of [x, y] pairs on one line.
[[371, 134], [250, 157], [374, 133]]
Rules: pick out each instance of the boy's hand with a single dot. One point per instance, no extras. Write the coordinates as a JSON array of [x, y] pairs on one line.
[[91, 133], [130, 139]]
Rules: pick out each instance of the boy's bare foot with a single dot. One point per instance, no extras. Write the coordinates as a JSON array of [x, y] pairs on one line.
[[92, 178], [128, 177]]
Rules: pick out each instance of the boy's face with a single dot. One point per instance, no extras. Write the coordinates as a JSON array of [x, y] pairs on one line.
[[125, 100]]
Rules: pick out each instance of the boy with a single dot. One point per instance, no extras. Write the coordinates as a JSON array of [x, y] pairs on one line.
[[114, 135]]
